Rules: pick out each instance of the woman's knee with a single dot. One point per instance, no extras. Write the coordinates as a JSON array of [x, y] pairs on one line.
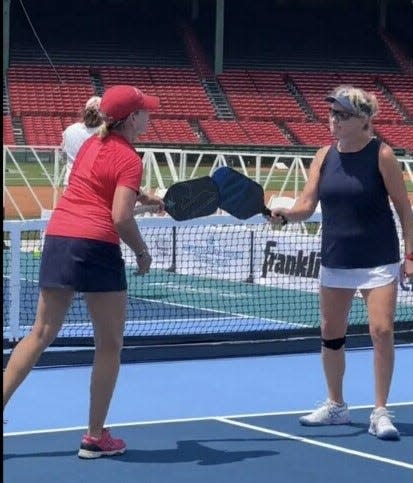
[[109, 345], [381, 333], [333, 329], [43, 335]]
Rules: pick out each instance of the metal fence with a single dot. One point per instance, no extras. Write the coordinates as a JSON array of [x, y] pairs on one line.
[[34, 174]]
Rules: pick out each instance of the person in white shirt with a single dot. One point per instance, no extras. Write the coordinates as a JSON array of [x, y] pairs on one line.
[[76, 134]]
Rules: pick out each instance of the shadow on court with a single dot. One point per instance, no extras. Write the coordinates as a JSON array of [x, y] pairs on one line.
[[185, 451], [217, 451]]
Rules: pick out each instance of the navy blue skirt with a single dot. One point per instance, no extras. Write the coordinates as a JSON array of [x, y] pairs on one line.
[[82, 265]]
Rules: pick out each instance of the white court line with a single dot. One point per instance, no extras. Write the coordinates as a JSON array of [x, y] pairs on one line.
[[189, 420], [235, 315], [313, 442], [214, 311]]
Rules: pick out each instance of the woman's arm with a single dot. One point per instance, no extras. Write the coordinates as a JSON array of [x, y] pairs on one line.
[[306, 203], [122, 215], [396, 188]]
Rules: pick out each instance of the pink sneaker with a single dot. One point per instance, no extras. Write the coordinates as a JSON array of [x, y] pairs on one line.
[[105, 446]]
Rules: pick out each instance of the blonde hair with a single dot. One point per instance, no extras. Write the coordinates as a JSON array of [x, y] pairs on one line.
[[364, 103], [107, 127], [103, 130]]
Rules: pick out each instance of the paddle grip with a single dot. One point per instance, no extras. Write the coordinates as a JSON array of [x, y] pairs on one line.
[[267, 212]]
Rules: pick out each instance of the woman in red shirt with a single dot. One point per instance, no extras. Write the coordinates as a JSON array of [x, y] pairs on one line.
[[82, 254]]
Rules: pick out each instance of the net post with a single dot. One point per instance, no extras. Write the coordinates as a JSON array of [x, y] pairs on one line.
[[250, 278], [14, 309], [172, 268]]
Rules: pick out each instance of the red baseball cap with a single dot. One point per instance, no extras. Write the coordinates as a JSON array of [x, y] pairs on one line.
[[121, 100]]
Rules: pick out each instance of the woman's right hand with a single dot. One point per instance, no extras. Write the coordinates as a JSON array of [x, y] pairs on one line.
[[144, 261], [278, 216]]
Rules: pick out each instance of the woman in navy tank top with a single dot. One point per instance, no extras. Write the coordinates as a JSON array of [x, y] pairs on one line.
[[354, 179]]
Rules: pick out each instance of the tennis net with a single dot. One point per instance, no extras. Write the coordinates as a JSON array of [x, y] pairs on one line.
[[212, 280]]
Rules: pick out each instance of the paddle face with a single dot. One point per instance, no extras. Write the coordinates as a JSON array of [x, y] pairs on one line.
[[239, 195], [191, 199]]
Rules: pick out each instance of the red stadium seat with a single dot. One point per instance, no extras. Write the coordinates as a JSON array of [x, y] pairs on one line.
[[47, 100], [8, 133]]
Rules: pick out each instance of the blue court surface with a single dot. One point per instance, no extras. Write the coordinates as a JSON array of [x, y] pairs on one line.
[[216, 420]]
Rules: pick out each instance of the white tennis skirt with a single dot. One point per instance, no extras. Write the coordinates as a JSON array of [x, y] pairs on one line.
[[359, 277]]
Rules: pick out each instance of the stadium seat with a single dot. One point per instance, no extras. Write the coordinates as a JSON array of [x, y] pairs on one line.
[[8, 133]]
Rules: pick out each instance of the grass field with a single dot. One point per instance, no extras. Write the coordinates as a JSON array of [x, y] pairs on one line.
[[32, 171], [36, 176]]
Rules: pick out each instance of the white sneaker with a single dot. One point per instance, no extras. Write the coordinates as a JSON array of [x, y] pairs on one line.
[[328, 413], [381, 425]]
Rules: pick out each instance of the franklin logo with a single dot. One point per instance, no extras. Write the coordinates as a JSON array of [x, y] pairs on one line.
[[300, 265]]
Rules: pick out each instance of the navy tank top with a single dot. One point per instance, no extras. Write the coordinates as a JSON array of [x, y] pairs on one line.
[[358, 229]]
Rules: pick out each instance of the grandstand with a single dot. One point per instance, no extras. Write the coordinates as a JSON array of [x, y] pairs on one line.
[[280, 60]]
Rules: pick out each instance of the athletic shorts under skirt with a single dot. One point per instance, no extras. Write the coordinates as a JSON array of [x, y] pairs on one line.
[[82, 265]]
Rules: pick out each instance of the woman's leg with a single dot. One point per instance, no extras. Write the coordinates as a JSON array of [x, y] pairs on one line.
[[51, 310], [335, 307], [381, 305], [108, 311]]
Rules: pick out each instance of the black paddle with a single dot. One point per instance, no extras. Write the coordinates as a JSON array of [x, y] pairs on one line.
[[239, 195], [188, 199], [228, 189]]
